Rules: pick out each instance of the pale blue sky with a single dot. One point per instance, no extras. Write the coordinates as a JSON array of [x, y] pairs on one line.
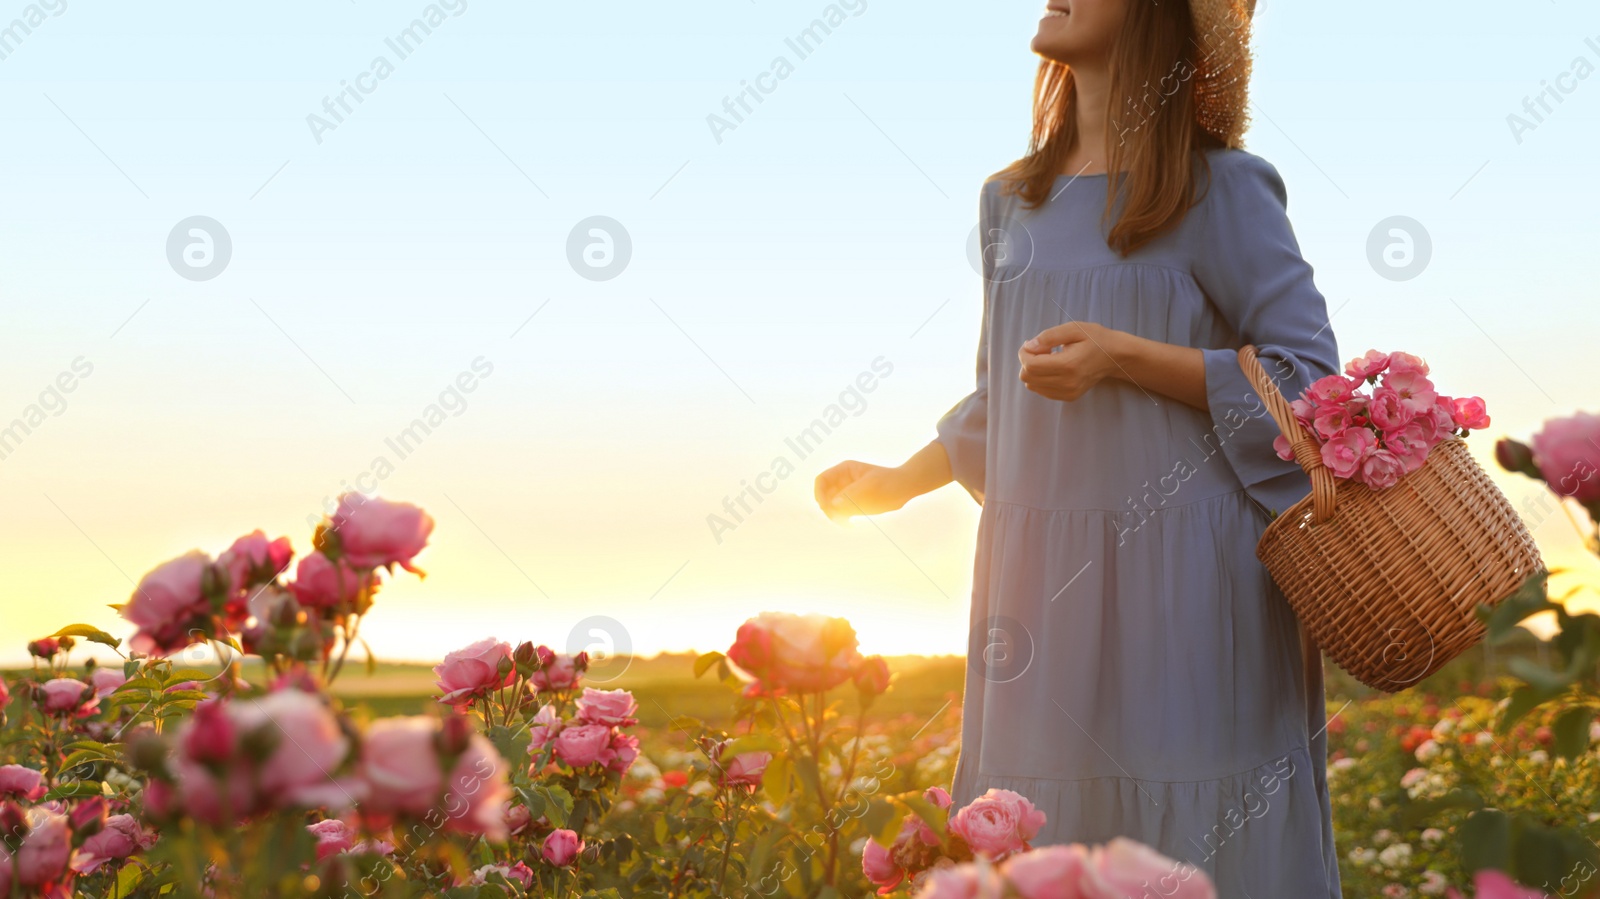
[[767, 272]]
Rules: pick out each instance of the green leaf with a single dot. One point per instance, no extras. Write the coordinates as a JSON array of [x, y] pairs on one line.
[[775, 780], [753, 743], [1524, 699], [1571, 729], [705, 661], [512, 745], [90, 633], [1529, 599], [1545, 855], [1486, 840], [77, 789], [187, 674], [558, 803], [1541, 677], [129, 878], [84, 756], [1419, 812]]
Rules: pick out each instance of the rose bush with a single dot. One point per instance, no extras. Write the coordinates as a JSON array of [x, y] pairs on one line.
[[162, 776]]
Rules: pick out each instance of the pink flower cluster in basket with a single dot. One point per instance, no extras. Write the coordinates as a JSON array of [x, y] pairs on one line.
[[1376, 438]]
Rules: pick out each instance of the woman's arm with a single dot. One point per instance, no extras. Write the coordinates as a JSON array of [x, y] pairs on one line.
[[859, 488], [1091, 353]]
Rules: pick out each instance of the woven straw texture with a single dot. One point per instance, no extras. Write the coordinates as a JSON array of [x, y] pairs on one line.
[[1222, 79], [1386, 581]]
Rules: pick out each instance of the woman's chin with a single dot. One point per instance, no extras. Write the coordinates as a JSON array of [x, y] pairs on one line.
[[1049, 47]]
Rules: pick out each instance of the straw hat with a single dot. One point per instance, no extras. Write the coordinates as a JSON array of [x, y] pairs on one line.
[[1222, 79]]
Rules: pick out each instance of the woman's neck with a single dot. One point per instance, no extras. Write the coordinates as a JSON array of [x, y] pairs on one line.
[[1092, 87]]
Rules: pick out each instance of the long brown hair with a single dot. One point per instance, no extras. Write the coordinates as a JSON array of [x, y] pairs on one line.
[[1151, 128]]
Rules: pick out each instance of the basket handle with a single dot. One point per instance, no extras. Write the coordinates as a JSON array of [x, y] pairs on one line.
[[1307, 451]]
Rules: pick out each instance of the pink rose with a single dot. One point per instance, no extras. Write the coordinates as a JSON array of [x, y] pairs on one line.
[[1304, 410], [612, 707], [998, 823], [1124, 867], [321, 583], [1382, 470], [44, 647], [1403, 363], [1491, 884], [222, 773], [209, 736], [584, 744], [519, 874], [965, 881], [1414, 389], [41, 859], [1442, 417], [561, 848], [1331, 390], [473, 672], [877, 863], [517, 819], [1332, 419], [375, 532], [107, 680], [400, 767], [168, 606], [798, 653], [64, 696], [120, 837], [624, 750], [561, 673], [938, 796], [1052, 872], [1346, 451], [1368, 365], [5, 696], [23, 783], [745, 769], [1388, 409], [1469, 413], [253, 559], [1411, 443], [872, 676], [311, 745], [1284, 449], [1567, 452], [545, 726], [333, 837]]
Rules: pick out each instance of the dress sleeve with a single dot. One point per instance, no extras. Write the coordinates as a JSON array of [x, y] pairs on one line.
[[964, 429], [1249, 265]]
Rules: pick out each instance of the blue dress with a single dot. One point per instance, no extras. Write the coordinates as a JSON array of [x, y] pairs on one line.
[[1132, 669]]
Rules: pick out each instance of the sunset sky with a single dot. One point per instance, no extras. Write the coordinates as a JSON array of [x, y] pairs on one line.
[[819, 242]]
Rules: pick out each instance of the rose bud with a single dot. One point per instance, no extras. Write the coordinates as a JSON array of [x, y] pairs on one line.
[[872, 676], [525, 657], [1516, 457], [13, 822], [455, 732], [210, 739], [44, 648], [88, 817]]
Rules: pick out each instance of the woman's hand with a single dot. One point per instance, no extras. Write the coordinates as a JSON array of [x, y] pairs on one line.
[[1091, 353], [858, 488], [1086, 357]]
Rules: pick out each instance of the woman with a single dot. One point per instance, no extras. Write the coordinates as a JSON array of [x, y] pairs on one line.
[[1132, 670]]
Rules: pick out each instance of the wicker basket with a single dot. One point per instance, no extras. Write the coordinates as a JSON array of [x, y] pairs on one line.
[[1388, 586]]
